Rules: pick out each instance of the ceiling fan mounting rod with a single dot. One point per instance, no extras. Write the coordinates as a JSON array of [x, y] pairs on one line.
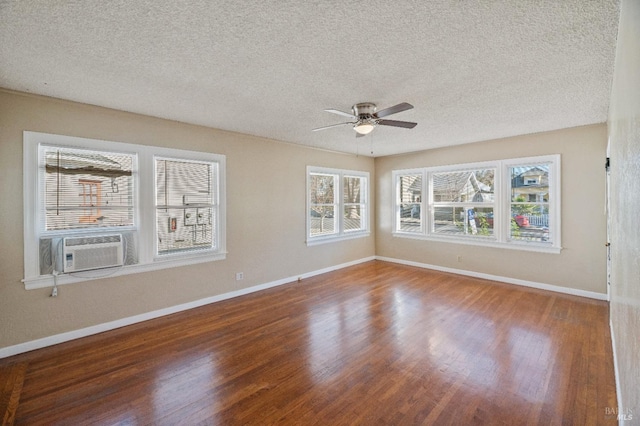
[[364, 110]]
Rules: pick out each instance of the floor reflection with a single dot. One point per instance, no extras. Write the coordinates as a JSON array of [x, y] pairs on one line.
[[180, 385], [337, 329]]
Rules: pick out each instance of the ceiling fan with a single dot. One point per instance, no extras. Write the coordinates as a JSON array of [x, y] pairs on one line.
[[366, 118]]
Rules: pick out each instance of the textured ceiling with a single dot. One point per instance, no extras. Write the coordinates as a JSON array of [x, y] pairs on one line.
[[474, 70]]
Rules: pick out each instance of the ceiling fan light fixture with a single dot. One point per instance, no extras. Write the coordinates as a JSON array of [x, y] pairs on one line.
[[364, 128]]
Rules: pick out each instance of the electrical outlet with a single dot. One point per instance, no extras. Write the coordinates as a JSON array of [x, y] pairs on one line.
[[239, 276]]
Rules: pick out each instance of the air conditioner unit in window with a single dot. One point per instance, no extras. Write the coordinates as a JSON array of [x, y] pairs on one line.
[[91, 252]]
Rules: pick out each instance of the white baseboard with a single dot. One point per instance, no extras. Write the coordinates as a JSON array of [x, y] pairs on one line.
[[541, 286], [615, 371], [99, 328]]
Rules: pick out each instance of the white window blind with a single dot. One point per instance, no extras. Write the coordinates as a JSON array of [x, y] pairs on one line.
[[186, 205], [86, 188]]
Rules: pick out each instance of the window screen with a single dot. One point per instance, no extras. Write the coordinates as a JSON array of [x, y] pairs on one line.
[[186, 205], [87, 189]]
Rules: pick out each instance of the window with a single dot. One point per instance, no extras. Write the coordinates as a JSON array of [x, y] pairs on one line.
[[529, 202], [168, 205], [409, 201], [466, 202], [355, 209], [338, 206], [508, 203], [85, 189], [186, 205]]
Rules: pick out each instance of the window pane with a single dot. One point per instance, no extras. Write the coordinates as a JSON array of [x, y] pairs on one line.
[[321, 188], [185, 205], [410, 194], [185, 229], [353, 216], [463, 221], [353, 196], [322, 221], [87, 189], [464, 186], [530, 203], [529, 223], [353, 190], [181, 183], [530, 183]]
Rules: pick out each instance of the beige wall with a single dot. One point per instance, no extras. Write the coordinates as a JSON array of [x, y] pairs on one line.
[[624, 137], [582, 263], [265, 219], [269, 176]]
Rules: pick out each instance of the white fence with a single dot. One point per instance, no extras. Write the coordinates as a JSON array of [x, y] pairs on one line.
[[538, 219]]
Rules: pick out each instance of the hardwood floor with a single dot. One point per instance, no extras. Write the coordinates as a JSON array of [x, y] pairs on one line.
[[376, 343]]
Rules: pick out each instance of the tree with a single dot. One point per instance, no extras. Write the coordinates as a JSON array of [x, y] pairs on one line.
[[522, 209], [352, 195], [322, 196]]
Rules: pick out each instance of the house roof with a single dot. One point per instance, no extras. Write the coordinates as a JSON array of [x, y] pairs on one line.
[[454, 184], [473, 70]]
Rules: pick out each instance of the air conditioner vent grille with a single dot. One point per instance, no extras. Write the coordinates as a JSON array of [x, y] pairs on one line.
[[97, 257], [92, 252], [101, 239]]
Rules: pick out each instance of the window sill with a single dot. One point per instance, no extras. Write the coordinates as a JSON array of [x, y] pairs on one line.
[[44, 281], [334, 238], [476, 241]]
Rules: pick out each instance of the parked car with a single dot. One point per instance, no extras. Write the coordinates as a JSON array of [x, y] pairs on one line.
[[522, 221]]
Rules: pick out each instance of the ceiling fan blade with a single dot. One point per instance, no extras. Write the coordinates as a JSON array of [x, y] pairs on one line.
[[393, 110], [345, 114], [396, 123], [328, 127]]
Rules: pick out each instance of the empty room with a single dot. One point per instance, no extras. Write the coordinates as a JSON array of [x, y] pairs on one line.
[[332, 212]]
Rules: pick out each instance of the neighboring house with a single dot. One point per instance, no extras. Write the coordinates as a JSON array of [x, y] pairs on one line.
[[532, 184], [460, 187], [86, 189], [411, 195]]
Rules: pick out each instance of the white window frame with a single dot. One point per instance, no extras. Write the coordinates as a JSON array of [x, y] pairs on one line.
[[144, 209], [502, 205], [341, 233]]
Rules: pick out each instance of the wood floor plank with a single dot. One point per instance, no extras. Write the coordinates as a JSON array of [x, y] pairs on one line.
[[12, 377], [376, 343]]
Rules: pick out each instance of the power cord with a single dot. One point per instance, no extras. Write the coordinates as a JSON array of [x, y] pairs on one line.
[[54, 292]]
